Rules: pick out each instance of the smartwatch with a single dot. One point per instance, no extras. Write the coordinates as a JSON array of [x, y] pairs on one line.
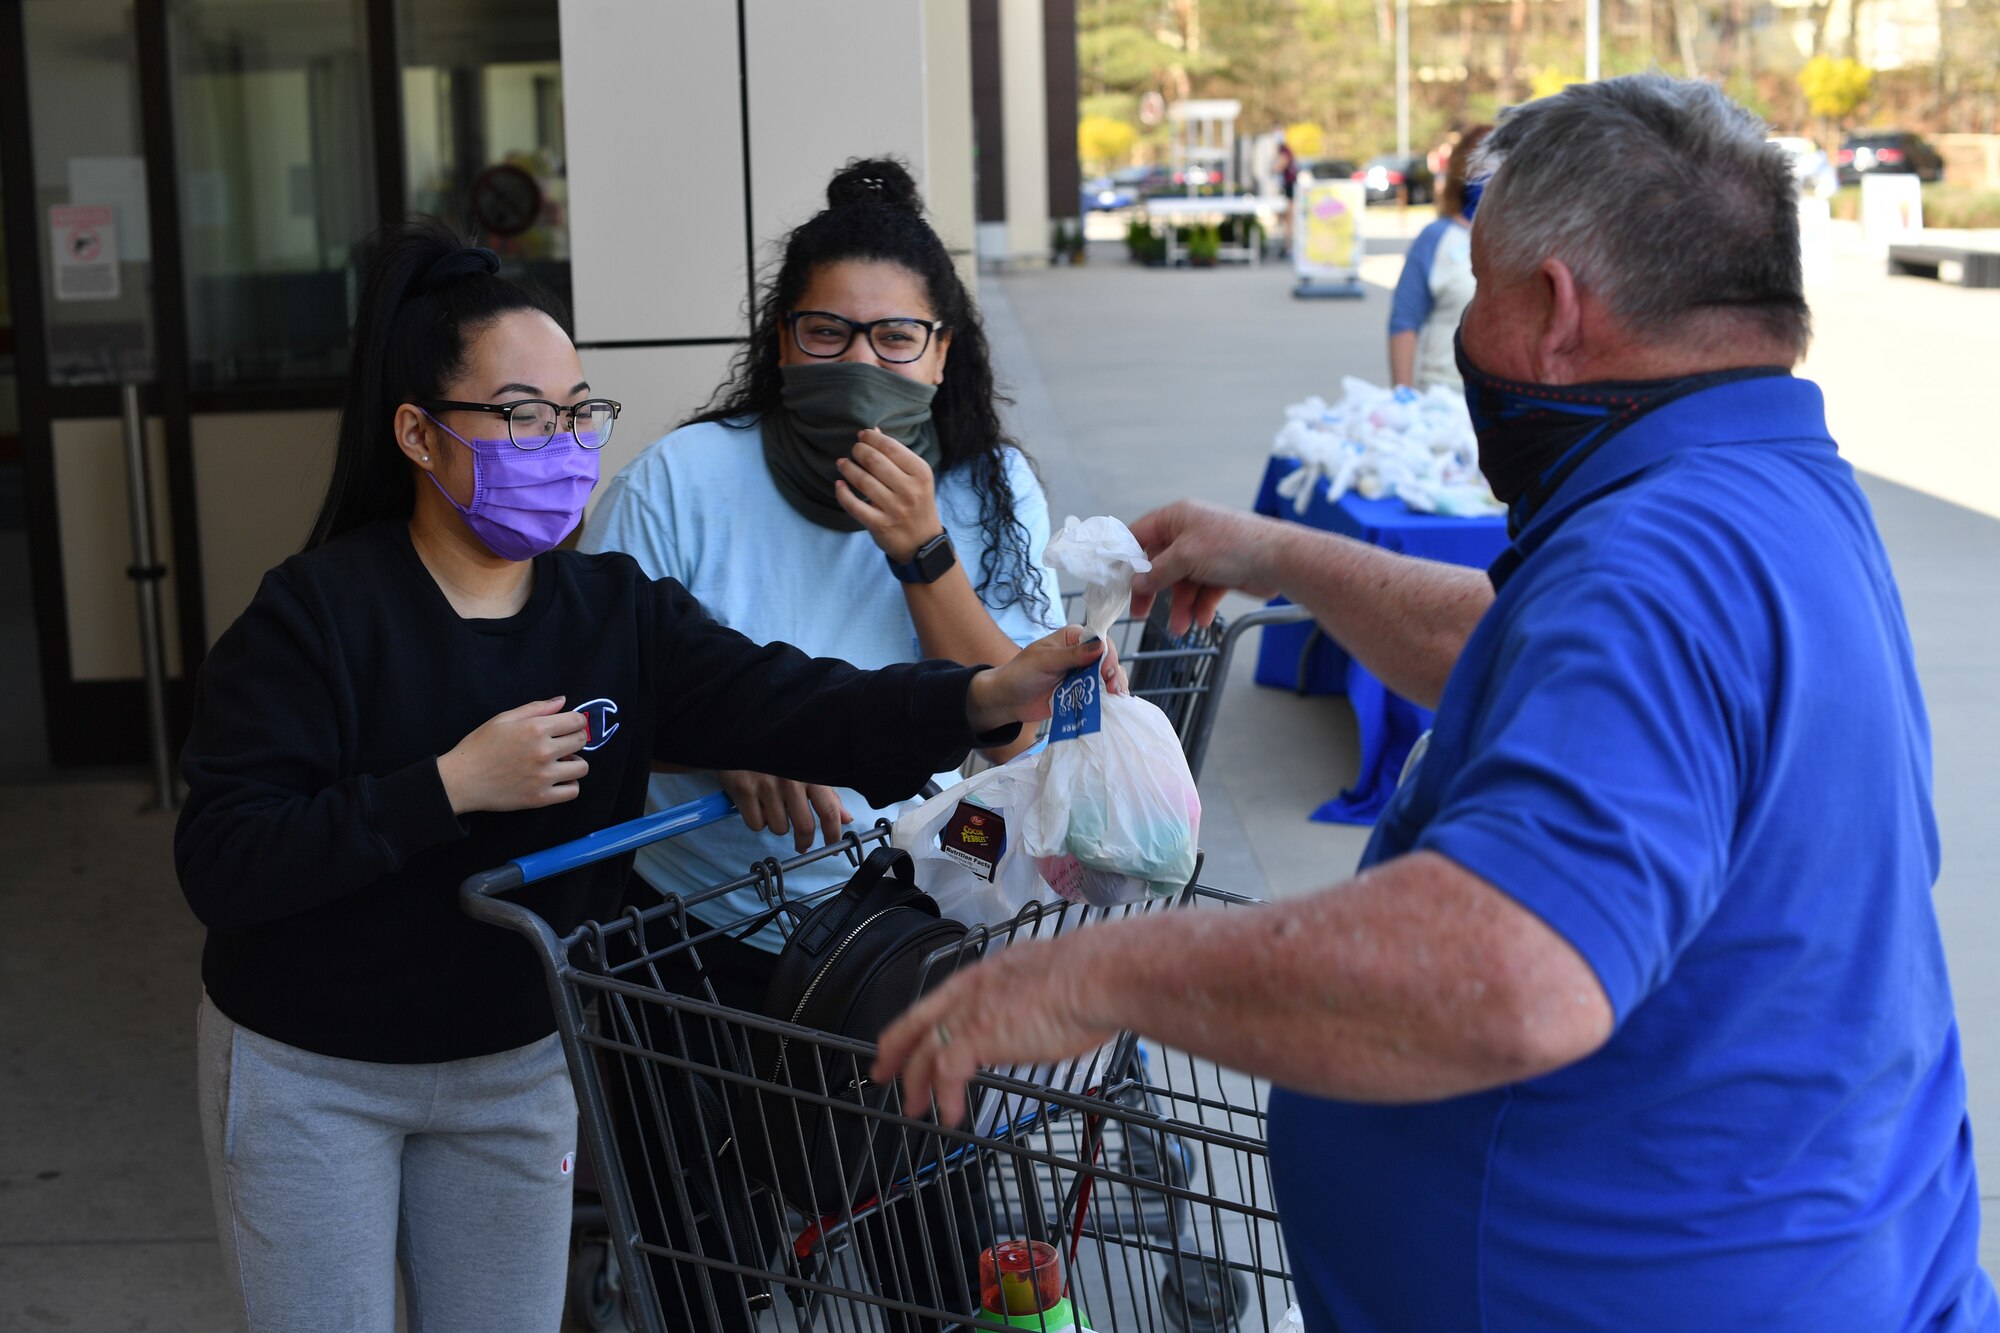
[[932, 561]]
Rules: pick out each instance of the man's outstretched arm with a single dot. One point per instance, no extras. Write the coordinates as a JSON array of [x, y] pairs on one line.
[[1414, 981], [1404, 619]]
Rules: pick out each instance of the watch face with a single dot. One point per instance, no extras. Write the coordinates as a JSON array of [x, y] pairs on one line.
[[935, 558]]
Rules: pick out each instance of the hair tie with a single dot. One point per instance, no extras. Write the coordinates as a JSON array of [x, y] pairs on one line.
[[460, 263]]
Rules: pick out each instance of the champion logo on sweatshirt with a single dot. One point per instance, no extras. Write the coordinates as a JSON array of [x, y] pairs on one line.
[[602, 717]]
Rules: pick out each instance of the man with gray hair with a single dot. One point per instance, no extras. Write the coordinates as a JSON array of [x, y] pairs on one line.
[[1636, 1015]]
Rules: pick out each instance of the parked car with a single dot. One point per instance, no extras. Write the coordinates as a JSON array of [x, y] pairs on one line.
[[1812, 169], [1390, 173], [1125, 187], [1329, 168], [1889, 151], [1198, 176]]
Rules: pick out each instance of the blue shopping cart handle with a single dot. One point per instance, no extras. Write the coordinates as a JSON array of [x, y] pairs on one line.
[[607, 843]]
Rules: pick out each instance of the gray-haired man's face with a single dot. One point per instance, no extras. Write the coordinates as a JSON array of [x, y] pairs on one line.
[[1502, 324]]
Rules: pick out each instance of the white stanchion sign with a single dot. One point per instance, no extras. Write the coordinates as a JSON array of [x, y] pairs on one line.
[[1892, 208]]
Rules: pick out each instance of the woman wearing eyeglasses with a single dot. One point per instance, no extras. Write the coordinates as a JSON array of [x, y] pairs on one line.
[[850, 490], [430, 688]]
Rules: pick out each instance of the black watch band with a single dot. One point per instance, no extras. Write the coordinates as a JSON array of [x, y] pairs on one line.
[[932, 561]]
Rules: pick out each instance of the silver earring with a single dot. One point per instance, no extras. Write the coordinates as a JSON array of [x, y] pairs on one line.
[[427, 458]]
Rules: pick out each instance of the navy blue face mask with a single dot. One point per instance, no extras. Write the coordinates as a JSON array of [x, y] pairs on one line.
[[1533, 436]]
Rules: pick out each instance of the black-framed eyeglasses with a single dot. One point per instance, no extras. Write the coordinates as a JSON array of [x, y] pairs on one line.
[[533, 422], [898, 340]]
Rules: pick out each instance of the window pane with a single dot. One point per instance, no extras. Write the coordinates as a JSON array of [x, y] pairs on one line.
[[483, 127], [90, 190], [273, 154]]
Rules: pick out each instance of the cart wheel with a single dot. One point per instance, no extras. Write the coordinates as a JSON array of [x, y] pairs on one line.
[[595, 1290], [1201, 1296]]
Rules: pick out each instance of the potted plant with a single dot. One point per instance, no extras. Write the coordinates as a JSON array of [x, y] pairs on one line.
[[1078, 247], [1059, 245], [1138, 240], [1204, 247]]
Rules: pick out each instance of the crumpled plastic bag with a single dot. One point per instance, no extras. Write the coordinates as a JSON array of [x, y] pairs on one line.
[[1103, 553]]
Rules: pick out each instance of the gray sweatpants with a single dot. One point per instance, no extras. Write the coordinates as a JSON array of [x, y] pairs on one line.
[[330, 1173]]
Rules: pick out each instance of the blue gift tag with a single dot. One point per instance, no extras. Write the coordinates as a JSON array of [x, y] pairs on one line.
[[1078, 705]]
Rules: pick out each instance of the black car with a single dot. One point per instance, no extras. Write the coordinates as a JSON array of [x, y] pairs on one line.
[[1889, 151], [1328, 168], [1391, 173]]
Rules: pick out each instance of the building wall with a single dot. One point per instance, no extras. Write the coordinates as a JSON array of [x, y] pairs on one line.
[[704, 130], [707, 132]]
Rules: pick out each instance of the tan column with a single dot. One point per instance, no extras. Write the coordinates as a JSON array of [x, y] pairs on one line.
[[948, 129], [1025, 117]]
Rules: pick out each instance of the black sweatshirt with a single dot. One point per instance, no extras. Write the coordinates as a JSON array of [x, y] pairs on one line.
[[317, 844]]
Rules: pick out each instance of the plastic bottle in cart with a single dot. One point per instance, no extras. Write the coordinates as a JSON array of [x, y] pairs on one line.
[[1021, 1282]]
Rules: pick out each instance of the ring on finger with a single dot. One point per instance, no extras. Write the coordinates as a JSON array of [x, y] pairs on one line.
[[941, 1034]]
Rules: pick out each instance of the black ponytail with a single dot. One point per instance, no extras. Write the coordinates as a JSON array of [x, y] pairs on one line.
[[874, 212], [425, 295]]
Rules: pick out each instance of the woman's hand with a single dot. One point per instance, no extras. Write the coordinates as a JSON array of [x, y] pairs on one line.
[[890, 492], [1117, 680], [784, 806], [1020, 690], [522, 759]]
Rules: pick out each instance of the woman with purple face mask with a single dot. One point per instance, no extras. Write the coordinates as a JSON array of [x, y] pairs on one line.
[[432, 687]]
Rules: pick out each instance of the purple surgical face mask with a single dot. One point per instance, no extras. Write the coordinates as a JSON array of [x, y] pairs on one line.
[[524, 501]]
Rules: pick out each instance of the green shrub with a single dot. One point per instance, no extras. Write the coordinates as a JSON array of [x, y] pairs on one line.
[[1946, 205]]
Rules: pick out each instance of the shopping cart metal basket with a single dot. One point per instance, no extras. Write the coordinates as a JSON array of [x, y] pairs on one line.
[[1142, 1173]]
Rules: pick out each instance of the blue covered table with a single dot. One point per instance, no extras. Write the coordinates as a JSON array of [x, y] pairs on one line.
[[1301, 657]]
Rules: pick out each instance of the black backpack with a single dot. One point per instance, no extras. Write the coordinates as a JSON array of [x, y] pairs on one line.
[[853, 963]]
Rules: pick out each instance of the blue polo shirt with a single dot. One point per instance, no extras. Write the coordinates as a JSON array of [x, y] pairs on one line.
[[1688, 736]]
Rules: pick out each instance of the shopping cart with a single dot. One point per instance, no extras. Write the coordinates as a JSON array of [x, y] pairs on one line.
[[1144, 1177], [1183, 674]]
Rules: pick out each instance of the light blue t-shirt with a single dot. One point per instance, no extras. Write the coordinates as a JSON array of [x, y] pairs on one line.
[[699, 506]]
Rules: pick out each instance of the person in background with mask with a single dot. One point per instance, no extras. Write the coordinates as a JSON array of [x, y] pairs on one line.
[[850, 490], [1436, 285], [1637, 1015], [427, 690]]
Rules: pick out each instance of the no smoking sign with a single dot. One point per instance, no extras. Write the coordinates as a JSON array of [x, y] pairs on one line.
[[84, 238]]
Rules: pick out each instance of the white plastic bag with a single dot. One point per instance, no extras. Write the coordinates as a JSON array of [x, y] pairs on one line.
[[967, 885], [1105, 814], [1119, 799], [970, 844], [1116, 792]]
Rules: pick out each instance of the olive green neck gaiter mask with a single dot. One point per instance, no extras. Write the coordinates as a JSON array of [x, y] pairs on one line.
[[821, 409]]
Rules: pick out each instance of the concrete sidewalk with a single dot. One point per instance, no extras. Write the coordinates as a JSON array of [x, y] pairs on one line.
[[1134, 387]]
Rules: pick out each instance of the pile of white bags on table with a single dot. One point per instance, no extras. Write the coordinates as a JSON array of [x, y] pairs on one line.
[[1379, 442]]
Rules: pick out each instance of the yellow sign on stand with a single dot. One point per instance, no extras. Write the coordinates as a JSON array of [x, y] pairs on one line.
[[1327, 224]]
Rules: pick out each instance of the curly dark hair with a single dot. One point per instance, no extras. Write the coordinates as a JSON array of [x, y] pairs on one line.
[[873, 212]]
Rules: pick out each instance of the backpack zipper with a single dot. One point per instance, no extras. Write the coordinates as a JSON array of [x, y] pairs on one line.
[[818, 977]]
